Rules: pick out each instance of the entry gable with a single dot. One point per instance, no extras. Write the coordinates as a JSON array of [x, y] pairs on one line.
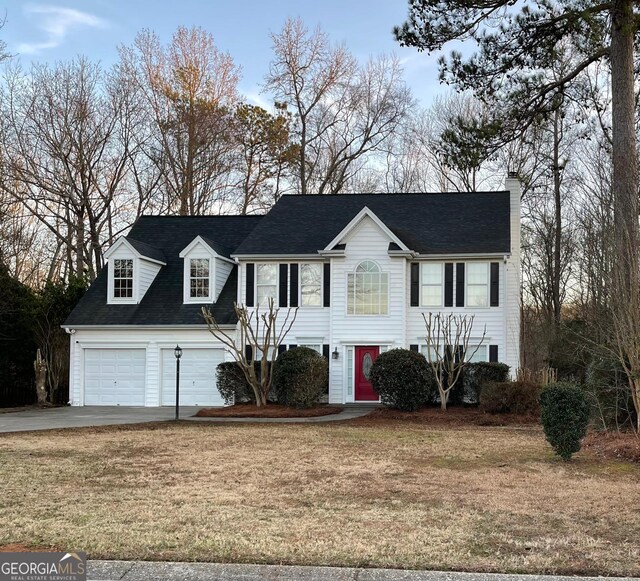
[[366, 212]]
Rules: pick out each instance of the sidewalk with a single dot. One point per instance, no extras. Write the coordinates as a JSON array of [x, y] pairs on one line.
[[153, 571]]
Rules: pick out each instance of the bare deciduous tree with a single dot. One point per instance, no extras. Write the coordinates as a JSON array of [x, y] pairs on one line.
[[449, 348], [190, 89], [342, 111], [263, 334], [66, 156]]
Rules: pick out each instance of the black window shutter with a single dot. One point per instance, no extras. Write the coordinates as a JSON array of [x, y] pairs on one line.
[[249, 284], [325, 350], [281, 349], [495, 284], [292, 345], [293, 285], [493, 353], [448, 284], [413, 347], [460, 284], [326, 284], [283, 283], [248, 352], [415, 284]]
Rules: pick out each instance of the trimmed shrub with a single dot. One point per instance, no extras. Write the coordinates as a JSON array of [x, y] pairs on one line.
[[403, 379], [510, 397], [564, 413], [233, 386], [300, 377], [475, 375]]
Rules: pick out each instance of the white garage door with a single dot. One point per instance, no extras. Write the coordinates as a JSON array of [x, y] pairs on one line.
[[197, 377], [114, 376]]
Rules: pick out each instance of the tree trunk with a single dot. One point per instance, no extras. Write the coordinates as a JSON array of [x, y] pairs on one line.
[[557, 250], [625, 158]]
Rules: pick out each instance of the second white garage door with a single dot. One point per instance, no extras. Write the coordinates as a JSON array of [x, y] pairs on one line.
[[197, 377]]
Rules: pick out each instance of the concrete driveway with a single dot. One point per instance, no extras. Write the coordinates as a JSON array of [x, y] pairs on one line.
[[77, 417]]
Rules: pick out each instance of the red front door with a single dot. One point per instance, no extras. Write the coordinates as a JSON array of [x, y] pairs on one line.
[[365, 356]]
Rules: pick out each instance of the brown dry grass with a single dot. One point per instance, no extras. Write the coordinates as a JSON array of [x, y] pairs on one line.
[[392, 495], [267, 411]]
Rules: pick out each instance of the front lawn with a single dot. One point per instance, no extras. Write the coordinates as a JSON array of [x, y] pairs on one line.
[[367, 493]]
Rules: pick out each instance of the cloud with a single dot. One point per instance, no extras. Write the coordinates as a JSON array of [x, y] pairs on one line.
[[56, 22]]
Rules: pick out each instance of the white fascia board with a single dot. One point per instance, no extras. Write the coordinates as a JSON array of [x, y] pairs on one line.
[[401, 253], [481, 255], [274, 257], [356, 220], [122, 241], [107, 327]]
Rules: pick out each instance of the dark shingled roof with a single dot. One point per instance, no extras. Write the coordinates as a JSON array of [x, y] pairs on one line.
[[162, 304], [147, 250], [451, 223]]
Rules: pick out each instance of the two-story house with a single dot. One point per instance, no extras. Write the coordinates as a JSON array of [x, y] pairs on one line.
[[361, 270]]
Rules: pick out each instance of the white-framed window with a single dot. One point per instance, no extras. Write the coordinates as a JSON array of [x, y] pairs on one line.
[[368, 290], [477, 284], [311, 285], [199, 278], [123, 278], [476, 353], [315, 346], [427, 350], [266, 283], [431, 284]]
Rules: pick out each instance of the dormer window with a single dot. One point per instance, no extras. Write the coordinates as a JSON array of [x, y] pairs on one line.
[[205, 271], [199, 281], [123, 278]]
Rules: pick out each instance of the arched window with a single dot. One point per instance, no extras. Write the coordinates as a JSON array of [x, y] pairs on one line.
[[368, 290]]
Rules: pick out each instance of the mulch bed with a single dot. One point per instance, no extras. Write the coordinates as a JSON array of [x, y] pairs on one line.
[[269, 411], [452, 417], [623, 445]]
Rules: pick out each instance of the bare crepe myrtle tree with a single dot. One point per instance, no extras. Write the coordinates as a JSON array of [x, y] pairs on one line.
[[262, 334], [448, 350]]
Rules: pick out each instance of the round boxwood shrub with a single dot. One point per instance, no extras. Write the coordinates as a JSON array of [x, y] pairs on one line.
[[564, 413], [403, 379], [300, 377], [233, 385]]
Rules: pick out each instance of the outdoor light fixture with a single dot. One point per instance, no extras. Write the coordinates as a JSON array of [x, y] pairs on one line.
[[335, 354], [178, 353]]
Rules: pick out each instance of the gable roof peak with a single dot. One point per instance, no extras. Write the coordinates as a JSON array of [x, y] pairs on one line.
[[355, 221]]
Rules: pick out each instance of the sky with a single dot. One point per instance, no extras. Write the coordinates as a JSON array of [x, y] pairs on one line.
[[59, 30]]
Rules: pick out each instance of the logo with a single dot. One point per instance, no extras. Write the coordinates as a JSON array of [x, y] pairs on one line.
[[43, 566]]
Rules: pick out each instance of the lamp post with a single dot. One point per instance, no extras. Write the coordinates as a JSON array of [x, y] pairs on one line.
[[178, 353]]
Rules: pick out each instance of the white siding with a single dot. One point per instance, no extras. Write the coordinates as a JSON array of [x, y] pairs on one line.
[[222, 271], [513, 281], [147, 272], [491, 318]]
